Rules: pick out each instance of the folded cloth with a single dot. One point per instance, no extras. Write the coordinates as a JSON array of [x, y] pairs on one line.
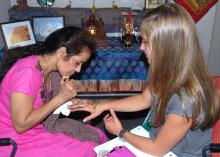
[[71, 127], [63, 109]]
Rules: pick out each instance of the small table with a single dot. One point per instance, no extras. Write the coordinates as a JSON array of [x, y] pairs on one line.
[[106, 95]]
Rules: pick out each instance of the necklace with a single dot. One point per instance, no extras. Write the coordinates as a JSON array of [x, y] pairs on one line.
[[46, 87], [147, 124]]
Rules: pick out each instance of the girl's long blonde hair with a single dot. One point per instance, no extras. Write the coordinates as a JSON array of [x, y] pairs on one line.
[[177, 63]]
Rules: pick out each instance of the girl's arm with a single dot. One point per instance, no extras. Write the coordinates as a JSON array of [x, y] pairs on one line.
[[174, 129], [130, 104]]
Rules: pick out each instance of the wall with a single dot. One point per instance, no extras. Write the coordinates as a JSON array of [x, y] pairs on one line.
[[214, 52], [207, 26], [204, 26], [4, 6], [89, 3]]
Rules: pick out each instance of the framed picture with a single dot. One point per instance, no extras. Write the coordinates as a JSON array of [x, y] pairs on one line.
[[150, 4], [43, 26], [17, 34]]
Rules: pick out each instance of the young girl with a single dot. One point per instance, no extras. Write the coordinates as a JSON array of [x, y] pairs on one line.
[[25, 89], [184, 104]]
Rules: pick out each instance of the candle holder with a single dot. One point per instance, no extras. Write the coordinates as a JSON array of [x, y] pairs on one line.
[[95, 29]]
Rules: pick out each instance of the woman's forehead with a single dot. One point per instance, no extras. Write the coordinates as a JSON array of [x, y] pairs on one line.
[[84, 55]]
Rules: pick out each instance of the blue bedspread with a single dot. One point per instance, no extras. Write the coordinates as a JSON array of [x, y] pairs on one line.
[[115, 61]]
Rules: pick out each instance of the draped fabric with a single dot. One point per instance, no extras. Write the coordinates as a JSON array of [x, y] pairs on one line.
[[114, 68]]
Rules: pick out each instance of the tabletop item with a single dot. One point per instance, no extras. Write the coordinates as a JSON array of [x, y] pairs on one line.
[[139, 130], [46, 3], [128, 32], [63, 109], [119, 151]]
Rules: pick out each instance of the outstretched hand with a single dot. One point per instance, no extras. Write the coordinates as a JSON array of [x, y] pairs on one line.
[[112, 123], [87, 106]]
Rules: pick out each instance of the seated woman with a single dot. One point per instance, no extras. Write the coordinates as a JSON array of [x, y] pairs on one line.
[[180, 94], [25, 88]]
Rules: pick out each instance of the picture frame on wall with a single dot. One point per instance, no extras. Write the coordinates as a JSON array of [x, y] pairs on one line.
[[44, 26], [16, 34], [151, 4]]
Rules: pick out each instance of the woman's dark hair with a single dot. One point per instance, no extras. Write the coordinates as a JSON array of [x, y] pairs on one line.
[[72, 38]]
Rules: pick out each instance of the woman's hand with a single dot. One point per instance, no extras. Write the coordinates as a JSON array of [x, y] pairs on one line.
[[112, 123], [88, 106], [68, 88]]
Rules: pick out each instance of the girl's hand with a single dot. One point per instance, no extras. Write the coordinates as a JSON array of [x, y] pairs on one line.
[[112, 123], [68, 88], [88, 106]]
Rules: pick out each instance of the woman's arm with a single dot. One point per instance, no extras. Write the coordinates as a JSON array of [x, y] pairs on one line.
[[24, 116]]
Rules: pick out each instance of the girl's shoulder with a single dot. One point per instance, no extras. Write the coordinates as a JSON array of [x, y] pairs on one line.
[[180, 104]]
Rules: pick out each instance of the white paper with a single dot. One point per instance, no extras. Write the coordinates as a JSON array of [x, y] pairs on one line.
[[139, 130], [63, 109]]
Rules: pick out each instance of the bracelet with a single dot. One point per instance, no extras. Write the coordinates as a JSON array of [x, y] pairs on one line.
[[122, 132]]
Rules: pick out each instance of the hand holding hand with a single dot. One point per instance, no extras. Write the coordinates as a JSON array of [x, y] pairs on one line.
[[87, 106], [112, 123], [68, 88]]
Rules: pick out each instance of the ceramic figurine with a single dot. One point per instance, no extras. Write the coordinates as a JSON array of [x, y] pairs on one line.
[[46, 3], [21, 4]]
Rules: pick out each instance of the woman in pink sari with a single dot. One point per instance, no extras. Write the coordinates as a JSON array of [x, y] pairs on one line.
[[25, 84]]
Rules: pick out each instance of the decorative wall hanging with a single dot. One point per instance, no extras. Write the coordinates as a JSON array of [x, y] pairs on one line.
[[197, 8]]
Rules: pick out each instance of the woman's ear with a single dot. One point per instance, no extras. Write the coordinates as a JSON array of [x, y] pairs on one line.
[[61, 52]]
